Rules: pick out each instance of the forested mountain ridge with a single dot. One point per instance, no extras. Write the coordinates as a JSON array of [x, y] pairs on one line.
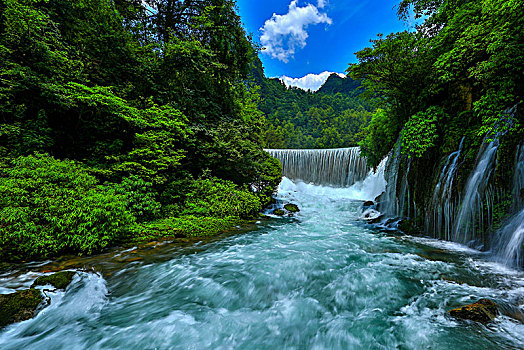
[[334, 116], [335, 84], [125, 120]]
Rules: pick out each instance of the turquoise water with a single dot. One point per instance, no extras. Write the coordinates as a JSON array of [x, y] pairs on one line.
[[321, 280]]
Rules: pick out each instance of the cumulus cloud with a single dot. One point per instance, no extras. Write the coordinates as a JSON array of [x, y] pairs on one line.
[[321, 4], [282, 35], [311, 82]]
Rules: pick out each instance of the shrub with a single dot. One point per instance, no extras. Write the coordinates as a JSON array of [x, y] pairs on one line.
[[420, 132], [50, 207], [221, 198]]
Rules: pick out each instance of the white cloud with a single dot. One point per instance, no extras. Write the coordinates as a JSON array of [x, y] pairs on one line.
[[321, 4], [311, 82], [282, 35]]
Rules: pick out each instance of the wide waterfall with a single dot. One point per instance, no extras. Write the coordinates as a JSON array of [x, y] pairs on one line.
[[340, 167]]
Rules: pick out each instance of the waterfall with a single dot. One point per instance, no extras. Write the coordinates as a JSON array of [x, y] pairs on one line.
[[469, 220], [518, 179], [439, 221], [372, 186], [508, 243], [509, 240], [388, 202], [340, 167]]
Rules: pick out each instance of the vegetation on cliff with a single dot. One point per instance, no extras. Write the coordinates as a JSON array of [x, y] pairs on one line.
[[454, 75], [453, 83]]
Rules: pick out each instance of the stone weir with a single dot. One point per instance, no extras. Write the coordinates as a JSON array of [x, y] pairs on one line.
[[338, 167]]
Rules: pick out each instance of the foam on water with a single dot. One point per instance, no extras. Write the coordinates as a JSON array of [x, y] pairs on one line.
[[320, 280]]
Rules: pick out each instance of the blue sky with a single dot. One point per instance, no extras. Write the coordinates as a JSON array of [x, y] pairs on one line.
[[315, 36]]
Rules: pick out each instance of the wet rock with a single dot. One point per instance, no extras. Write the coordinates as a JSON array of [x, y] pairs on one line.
[[292, 208], [483, 311], [368, 204], [279, 212], [409, 227], [19, 306], [59, 280], [371, 215]]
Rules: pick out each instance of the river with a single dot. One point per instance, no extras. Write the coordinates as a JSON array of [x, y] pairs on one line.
[[320, 280]]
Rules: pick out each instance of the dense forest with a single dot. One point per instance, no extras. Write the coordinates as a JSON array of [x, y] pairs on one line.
[[454, 76], [125, 120], [332, 117]]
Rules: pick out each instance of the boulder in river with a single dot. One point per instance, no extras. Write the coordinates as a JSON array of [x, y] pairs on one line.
[[292, 208], [368, 204], [483, 311], [59, 280], [279, 212], [19, 306]]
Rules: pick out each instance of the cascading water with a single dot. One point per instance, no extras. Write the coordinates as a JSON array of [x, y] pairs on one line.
[[320, 280], [441, 216], [518, 179], [341, 167], [508, 243], [469, 221], [388, 201]]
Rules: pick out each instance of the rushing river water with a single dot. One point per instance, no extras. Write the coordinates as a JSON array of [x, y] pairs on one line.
[[320, 280]]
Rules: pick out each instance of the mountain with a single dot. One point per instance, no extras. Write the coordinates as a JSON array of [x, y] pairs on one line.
[[334, 116], [336, 84]]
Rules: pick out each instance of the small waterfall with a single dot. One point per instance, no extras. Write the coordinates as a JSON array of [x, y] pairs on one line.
[[340, 167], [372, 186], [518, 179], [508, 244], [441, 216], [469, 220], [509, 241], [388, 203]]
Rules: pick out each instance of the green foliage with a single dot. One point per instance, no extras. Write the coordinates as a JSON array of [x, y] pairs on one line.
[[380, 136], [138, 97], [140, 197], [420, 132], [332, 117], [213, 197], [51, 207], [465, 59], [185, 226]]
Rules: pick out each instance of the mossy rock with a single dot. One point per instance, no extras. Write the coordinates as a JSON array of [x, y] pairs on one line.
[[19, 306], [409, 227], [292, 208], [59, 280], [279, 212], [483, 311]]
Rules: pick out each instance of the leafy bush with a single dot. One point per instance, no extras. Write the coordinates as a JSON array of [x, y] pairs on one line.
[[186, 225], [50, 207], [380, 137], [140, 197], [220, 198], [420, 132]]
